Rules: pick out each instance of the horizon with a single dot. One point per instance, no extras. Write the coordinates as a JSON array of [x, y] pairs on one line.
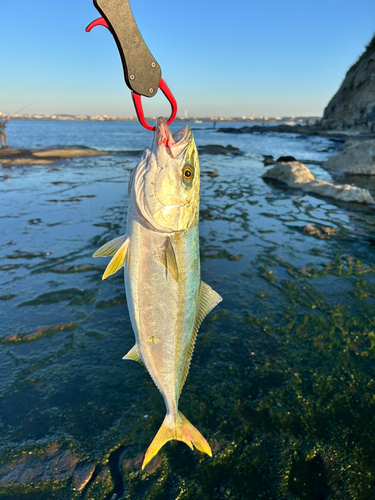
[[245, 59], [62, 116]]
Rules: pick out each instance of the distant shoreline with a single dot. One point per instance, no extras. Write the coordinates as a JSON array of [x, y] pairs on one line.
[[302, 120]]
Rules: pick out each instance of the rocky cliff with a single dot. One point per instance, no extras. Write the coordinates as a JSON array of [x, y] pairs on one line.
[[354, 102]]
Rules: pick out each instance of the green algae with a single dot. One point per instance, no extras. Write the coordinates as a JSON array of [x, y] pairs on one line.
[[74, 296]]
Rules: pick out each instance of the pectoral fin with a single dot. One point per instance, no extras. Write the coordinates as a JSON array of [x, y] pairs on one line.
[[171, 261], [134, 355], [118, 260], [208, 299], [110, 248], [167, 257]]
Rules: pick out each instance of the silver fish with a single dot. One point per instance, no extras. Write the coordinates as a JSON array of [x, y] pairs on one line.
[[166, 298]]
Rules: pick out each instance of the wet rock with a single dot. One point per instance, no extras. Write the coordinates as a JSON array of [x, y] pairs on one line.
[[39, 333], [8, 297], [26, 255], [268, 160], [358, 158], [218, 149], [54, 464], [80, 268], [136, 462], [297, 175], [320, 232], [206, 214], [285, 159], [210, 174], [9, 267], [308, 229], [45, 156], [329, 230], [82, 475]]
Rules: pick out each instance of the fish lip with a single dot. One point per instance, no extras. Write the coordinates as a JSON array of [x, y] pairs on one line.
[[175, 144]]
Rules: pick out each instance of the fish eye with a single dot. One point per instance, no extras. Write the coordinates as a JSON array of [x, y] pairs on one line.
[[187, 173]]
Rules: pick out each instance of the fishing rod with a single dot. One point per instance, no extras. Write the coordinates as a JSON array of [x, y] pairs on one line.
[[24, 107]]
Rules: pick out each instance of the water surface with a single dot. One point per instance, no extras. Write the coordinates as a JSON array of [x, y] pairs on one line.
[[282, 378]]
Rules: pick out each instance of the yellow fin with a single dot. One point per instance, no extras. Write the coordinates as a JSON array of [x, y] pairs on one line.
[[167, 258], [134, 355], [208, 299], [176, 428], [171, 261], [117, 261], [110, 248]]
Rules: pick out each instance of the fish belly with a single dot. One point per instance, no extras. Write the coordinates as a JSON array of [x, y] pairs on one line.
[[163, 309]]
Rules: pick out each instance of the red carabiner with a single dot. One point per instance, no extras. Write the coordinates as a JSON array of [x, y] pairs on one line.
[[98, 22], [137, 99]]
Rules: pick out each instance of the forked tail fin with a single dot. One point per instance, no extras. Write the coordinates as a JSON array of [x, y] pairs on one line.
[[180, 429]]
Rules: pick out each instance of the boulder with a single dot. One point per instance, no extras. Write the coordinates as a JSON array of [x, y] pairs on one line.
[[284, 159], [357, 158], [297, 175]]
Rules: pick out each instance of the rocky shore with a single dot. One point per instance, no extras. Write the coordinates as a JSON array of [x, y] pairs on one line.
[[298, 176], [358, 133]]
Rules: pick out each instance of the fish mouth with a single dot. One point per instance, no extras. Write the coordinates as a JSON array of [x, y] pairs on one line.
[[175, 144]]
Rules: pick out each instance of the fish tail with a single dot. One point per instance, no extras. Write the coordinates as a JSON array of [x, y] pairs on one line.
[[176, 428]]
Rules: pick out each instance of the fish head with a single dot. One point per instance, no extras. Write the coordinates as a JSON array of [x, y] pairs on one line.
[[166, 181]]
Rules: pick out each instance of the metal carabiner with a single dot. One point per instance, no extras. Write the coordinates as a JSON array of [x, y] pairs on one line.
[[141, 71]]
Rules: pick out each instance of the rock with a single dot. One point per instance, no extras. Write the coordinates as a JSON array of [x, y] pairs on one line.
[[323, 233], [218, 149], [54, 464], [44, 156], [268, 160], [68, 152], [354, 102], [82, 475], [297, 175], [311, 230], [39, 333], [357, 158], [285, 158]]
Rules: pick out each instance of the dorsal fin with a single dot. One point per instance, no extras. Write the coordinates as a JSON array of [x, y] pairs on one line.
[[134, 355], [118, 260], [110, 248], [208, 299]]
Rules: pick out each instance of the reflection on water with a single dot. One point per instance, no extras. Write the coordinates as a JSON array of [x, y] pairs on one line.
[[282, 377]]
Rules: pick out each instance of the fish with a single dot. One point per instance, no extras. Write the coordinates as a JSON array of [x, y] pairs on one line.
[[167, 301]]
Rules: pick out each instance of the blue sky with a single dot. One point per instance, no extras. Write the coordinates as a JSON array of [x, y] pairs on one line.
[[232, 58]]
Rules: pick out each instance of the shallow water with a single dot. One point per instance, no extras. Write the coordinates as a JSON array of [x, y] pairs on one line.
[[282, 378]]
